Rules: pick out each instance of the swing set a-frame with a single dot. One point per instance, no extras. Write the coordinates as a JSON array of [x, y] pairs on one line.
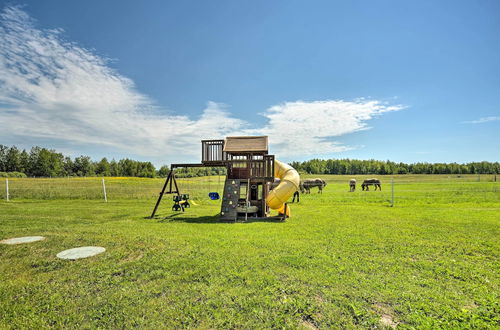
[[181, 201]]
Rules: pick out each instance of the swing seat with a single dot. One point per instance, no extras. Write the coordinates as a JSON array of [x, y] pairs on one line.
[[214, 195]]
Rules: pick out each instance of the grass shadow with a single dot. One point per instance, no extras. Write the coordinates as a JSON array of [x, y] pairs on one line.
[[213, 219], [180, 217]]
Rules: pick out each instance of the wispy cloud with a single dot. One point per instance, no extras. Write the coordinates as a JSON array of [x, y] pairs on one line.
[[51, 88], [307, 128], [54, 89], [483, 120]]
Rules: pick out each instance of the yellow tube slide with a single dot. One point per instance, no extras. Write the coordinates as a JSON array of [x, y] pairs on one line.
[[289, 184]]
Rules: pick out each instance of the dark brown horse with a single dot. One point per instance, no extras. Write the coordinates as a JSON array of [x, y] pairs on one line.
[[306, 185], [371, 182]]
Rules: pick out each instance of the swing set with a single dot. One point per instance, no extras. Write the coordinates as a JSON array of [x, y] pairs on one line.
[[181, 201]]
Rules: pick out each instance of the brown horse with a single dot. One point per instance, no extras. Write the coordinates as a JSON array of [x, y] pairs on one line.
[[371, 182], [306, 185]]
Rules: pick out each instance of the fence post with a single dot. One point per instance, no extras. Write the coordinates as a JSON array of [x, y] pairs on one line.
[[392, 201], [7, 188], [104, 190]]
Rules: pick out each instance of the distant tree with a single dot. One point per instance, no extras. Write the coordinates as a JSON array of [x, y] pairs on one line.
[[163, 171], [114, 168], [83, 166], [3, 158], [103, 168], [24, 161], [128, 167], [68, 166], [296, 165], [13, 160], [45, 163], [146, 170]]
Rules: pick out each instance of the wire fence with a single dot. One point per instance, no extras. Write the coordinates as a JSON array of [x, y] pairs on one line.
[[93, 187], [424, 189]]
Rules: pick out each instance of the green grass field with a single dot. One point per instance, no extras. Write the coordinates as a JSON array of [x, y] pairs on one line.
[[343, 260]]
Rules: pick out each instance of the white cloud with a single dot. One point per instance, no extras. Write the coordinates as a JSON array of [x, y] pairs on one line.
[[54, 89], [483, 120], [307, 128]]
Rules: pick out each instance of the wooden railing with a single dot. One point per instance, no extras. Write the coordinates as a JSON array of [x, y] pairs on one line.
[[252, 168], [239, 166], [212, 151]]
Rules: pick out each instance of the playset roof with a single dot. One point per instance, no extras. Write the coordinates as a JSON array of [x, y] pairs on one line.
[[246, 144]]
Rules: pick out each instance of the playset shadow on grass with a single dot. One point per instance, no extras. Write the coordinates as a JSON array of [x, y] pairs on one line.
[[248, 188]]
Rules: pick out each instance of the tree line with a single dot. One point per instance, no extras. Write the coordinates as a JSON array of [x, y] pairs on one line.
[[355, 166], [42, 162]]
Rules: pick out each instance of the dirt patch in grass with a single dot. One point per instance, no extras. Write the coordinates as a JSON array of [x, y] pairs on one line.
[[386, 315], [308, 325], [133, 257], [470, 306]]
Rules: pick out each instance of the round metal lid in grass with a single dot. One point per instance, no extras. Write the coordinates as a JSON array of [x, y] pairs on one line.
[[22, 240], [80, 252]]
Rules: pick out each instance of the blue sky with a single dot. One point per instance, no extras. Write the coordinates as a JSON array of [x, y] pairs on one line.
[[401, 80]]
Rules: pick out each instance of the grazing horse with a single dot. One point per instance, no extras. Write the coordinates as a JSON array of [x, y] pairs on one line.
[[352, 185], [306, 185], [371, 182]]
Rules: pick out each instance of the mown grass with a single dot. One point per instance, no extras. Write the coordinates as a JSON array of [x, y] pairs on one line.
[[343, 259]]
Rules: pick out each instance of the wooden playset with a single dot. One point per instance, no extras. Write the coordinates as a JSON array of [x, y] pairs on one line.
[[248, 185]]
